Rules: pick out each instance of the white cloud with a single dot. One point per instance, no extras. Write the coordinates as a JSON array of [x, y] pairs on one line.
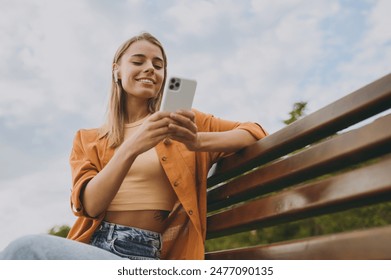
[[51, 62], [191, 17], [366, 58], [36, 202], [379, 22], [373, 51], [265, 68]]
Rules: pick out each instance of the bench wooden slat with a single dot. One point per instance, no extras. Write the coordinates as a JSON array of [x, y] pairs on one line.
[[356, 245], [333, 154], [355, 107], [361, 186]]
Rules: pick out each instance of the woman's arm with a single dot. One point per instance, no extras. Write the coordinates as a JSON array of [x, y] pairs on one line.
[[225, 141], [185, 130]]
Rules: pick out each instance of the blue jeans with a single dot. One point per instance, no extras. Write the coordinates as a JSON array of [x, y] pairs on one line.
[[49, 247], [128, 242]]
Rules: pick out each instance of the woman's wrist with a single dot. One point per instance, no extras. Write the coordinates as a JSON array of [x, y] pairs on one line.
[[129, 150], [199, 142]]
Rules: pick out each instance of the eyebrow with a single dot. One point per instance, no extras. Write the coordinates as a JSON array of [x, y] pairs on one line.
[[143, 56]]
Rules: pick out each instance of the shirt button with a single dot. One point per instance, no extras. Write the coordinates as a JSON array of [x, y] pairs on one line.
[[167, 141], [176, 183], [164, 158], [190, 212], [75, 209]]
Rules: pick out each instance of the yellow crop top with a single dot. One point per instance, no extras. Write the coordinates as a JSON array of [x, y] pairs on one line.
[[146, 186]]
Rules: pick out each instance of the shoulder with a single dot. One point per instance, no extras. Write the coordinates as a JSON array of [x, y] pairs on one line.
[[86, 136], [89, 132], [91, 144]]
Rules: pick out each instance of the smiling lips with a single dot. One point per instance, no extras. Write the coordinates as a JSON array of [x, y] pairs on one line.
[[146, 81]]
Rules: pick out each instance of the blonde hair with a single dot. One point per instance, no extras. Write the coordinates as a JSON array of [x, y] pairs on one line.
[[117, 112]]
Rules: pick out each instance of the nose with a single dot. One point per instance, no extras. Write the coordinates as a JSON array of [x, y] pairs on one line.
[[149, 68]]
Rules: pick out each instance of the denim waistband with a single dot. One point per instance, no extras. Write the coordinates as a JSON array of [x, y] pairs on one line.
[[117, 227], [128, 242]]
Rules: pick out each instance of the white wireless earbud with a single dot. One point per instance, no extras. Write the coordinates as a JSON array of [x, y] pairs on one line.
[[115, 73]]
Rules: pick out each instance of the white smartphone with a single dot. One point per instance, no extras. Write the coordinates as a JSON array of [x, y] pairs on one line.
[[178, 94]]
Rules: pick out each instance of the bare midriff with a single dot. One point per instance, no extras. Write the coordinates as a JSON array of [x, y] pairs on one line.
[[152, 220]]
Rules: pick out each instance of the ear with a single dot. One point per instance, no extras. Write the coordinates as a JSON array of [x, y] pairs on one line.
[[116, 72]]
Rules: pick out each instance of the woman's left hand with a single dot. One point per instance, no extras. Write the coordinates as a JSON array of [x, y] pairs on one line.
[[184, 129]]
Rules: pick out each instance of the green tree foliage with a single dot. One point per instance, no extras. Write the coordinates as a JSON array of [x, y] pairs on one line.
[[297, 112], [61, 231], [353, 219]]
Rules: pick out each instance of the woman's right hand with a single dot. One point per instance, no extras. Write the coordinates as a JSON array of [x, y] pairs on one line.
[[154, 129]]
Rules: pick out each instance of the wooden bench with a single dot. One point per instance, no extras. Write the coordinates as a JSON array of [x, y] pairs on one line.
[[318, 165]]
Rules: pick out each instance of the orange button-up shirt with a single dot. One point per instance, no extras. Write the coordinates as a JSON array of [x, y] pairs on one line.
[[184, 236]]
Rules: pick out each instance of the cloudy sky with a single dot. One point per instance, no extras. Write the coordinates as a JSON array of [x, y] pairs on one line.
[[252, 60]]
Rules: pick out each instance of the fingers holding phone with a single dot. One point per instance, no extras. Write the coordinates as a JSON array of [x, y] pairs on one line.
[[154, 129], [184, 129]]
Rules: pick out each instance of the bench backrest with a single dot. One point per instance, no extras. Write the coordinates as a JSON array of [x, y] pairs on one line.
[[316, 165]]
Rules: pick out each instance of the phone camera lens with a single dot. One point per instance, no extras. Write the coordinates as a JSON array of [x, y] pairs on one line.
[[177, 84], [171, 86]]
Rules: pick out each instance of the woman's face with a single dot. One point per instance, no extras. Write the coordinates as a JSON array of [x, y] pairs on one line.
[[141, 70]]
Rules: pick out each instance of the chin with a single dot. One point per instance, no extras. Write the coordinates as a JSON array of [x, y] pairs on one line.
[[143, 94]]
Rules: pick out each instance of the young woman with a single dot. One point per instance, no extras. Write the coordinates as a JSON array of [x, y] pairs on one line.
[[139, 181]]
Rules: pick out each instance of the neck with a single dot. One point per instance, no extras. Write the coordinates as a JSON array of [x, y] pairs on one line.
[[137, 111]]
